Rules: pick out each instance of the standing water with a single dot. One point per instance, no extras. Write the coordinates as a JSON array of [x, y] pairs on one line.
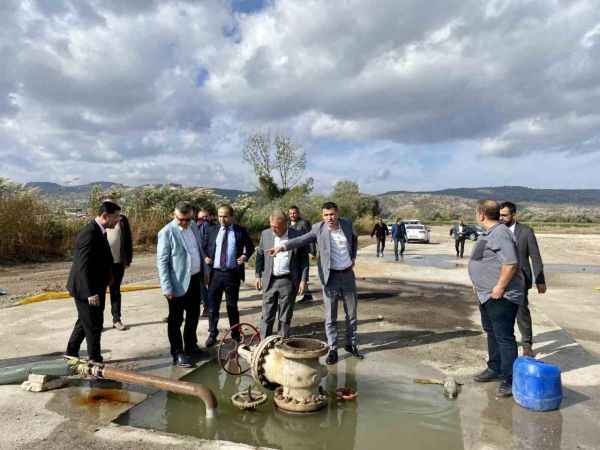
[[389, 413]]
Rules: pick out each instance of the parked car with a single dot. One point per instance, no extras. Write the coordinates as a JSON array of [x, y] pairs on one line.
[[472, 232], [417, 232]]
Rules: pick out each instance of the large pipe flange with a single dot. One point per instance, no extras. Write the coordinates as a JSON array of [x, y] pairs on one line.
[[296, 405], [258, 360]]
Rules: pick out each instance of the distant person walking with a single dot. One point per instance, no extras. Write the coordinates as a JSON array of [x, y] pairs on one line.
[[399, 237], [281, 277], [498, 284], [88, 279], [337, 243], [303, 226], [380, 231], [528, 250], [179, 271], [121, 248], [227, 247], [459, 231]]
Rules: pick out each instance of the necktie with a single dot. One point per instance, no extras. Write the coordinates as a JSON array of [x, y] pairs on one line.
[[223, 258]]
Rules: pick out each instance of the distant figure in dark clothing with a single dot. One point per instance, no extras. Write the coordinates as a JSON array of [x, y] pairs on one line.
[[89, 277], [380, 231], [527, 247], [297, 223], [399, 236], [121, 248], [459, 232]]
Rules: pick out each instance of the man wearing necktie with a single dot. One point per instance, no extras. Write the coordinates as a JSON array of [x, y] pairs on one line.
[[89, 277], [226, 248]]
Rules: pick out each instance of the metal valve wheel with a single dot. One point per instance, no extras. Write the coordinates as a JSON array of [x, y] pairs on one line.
[[229, 358]]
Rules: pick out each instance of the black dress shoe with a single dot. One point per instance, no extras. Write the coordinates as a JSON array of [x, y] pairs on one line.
[[212, 340], [504, 389], [181, 360], [486, 376], [353, 350], [332, 357]]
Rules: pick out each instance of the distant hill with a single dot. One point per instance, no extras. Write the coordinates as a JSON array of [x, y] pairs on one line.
[[57, 190], [518, 194]]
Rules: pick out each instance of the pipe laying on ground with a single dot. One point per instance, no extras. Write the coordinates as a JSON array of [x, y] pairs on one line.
[[165, 384]]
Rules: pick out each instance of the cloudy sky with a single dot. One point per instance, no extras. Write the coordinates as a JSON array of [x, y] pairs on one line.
[[394, 94]]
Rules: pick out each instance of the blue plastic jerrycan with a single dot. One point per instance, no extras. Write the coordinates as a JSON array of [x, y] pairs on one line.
[[536, 384]]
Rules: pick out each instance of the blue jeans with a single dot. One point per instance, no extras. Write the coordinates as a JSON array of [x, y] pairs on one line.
[[498, 321]]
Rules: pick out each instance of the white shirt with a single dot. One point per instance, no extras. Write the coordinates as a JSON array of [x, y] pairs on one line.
[[340, 252], [281, 262], [460, 228], [191, 245], [512, 227], [114, 240]]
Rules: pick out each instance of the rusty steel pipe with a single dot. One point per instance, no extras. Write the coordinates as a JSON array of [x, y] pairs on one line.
[[166, 384]]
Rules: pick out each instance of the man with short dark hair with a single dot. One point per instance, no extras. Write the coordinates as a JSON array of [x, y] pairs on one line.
[[280, 278], [204, 221], [380, 230], [337, 243], [498, 285], [226, 247], [121, 248], [88, 279], [399, 237], [458, 231], [180, 273], [528, 249], [296, 222]]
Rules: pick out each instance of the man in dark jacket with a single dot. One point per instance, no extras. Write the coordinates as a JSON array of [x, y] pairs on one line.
[[204, 221], [399, 237], [527, 247], [226, 248], [380, 230], [121, 248], [296, 222], [280, 278], [459, 232], [90, 275]]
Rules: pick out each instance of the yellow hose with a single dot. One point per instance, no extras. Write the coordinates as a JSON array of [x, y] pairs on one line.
[[61, 295]]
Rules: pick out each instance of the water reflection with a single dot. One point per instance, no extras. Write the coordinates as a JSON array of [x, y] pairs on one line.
[[387, 411]]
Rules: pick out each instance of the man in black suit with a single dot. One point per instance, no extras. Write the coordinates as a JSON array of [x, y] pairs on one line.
[[527, 247], [380, 230], [296, 222], [90, 275], [226, 248]]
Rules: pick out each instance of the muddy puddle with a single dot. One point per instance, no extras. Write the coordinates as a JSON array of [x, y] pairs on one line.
[[390, 412]]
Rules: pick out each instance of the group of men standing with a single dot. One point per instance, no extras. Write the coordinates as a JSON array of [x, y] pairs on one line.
[[199, 260]]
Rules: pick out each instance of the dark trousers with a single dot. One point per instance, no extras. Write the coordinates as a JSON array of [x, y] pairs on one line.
[[498, 321], [227, 282], [190, 304], [380, 245], [459, 245], [90, 320], [402, 244], [524, 322], [118, 271]]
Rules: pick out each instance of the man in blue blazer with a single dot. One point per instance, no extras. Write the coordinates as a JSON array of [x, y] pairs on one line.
[[180, 272], [226, 247], [399, 236]]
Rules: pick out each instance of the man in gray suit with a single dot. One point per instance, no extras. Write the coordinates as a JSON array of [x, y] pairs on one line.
[[280, 278], [527, 247], [337, 243]]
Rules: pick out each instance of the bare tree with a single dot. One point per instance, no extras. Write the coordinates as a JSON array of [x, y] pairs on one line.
[[257, 153], [290, 162], [279, 155]]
